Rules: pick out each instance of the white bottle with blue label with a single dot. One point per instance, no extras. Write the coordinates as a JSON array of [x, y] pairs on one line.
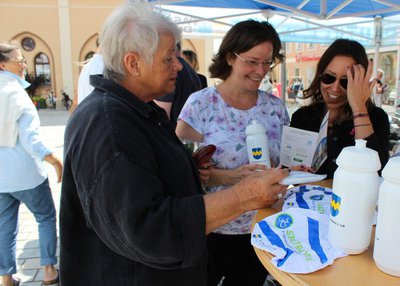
[[257, 144], [354, 195], [387, 247]]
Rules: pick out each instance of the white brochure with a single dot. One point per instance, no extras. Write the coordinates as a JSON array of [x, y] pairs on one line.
[[300, 146]]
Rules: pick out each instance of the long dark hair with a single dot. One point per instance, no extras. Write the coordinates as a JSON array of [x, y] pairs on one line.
[[340, 47], [240, 38]]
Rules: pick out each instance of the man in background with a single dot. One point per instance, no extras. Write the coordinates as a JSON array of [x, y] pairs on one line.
[[186, 83], [380, 89]]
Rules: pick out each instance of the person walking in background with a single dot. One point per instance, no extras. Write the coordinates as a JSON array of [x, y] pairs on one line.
[[380, 89], [219, 116], [23, 178], [51, 100], [133, 211], [342, 86], [94, 65], [186, 83], [191, 57]]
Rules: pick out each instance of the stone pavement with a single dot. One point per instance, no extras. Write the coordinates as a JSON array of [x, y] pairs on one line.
[[53, 126]]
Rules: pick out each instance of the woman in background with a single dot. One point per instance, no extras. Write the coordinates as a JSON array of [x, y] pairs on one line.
[[23, 176]]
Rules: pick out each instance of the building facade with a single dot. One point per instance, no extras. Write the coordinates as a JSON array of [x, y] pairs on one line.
[[57, 36]]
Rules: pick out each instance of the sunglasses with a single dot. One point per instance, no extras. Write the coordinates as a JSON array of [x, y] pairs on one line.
[[329, 79]]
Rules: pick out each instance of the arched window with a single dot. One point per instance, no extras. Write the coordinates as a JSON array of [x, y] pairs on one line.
[[89, 55], [42, 67]]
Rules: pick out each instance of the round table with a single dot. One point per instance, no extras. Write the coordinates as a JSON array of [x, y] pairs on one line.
[[352, 270]]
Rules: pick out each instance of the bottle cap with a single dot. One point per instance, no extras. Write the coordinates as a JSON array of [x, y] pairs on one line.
[[392, 170], [359, 157], [255, 128]]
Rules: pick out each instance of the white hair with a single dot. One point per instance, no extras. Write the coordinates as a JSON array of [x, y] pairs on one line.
[[132, 28], [8, 50]]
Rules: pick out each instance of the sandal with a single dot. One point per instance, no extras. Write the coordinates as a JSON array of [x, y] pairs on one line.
[[54, 282]]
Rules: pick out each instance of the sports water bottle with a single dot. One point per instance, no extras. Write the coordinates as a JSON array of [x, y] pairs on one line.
[[257, 144], [387, 247], [354, 194]]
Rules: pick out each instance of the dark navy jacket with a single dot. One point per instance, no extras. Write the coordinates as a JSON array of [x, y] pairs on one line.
[[132, 210]]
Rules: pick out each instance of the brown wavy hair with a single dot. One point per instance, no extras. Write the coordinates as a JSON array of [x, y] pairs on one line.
[[340, 47], [240, 38]]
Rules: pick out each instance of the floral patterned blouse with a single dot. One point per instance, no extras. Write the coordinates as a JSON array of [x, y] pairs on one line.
[[224, 126]]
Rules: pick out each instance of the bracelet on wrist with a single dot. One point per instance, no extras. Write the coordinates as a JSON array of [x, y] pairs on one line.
[[359, 125], [360, 114]]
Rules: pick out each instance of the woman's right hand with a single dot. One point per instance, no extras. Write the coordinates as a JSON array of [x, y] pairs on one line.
[[56, 163], [261, 190], [247, 170], [59, 169]]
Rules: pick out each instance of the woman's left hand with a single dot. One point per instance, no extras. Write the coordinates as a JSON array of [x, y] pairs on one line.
[[204, 175], [302, 168], [359, 87]]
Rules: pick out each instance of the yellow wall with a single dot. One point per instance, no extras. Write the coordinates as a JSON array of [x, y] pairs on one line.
[[44, 21]]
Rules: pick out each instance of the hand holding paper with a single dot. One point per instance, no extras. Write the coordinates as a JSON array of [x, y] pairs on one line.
[[300, 146]]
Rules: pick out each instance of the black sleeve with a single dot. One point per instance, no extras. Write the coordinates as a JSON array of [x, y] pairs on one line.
[[379, 140], [305, 118], [298, 119], [164, 232]]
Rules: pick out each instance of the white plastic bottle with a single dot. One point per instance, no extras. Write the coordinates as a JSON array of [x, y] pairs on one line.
[[387, 246], [257, 144], [354, 194]]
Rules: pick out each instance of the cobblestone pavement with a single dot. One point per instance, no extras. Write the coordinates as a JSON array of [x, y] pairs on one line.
[[53, 126]]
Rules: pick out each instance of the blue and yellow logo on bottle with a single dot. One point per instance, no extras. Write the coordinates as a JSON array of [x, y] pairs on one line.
[[257, 153], [335, 204]]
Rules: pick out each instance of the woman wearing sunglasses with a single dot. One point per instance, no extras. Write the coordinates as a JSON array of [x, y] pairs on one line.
[[343, 87]]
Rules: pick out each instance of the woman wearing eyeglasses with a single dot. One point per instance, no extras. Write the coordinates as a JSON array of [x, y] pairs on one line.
[[219, 115], [23, 175], [342, 86]]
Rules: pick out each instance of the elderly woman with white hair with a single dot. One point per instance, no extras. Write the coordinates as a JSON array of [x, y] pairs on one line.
[[132, 207]]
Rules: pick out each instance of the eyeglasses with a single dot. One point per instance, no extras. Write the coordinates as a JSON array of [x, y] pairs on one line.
[[20, 61], [329, 79], [255, 64]]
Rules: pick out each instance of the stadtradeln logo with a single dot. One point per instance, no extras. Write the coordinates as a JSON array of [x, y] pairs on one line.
[[257, 153], [283, 221], [335, 204]]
